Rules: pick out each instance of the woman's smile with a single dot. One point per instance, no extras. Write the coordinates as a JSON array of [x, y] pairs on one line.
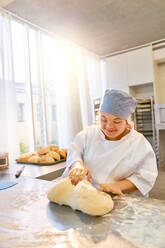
[[110, 132]]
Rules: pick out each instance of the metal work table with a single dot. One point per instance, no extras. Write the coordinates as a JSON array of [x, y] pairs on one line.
[[28, 219], [47, 172]]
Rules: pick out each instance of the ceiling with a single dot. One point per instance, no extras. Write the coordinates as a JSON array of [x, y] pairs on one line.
[[101, 26]]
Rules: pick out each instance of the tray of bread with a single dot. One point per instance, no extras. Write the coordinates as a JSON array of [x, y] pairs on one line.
[[46, 155]]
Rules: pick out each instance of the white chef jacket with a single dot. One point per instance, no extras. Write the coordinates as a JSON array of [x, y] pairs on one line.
[[131, 158]]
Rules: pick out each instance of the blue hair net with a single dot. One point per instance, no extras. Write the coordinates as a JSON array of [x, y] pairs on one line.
[[119, 103]]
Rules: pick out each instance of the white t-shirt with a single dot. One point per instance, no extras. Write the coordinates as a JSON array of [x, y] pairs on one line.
[[131, 158]]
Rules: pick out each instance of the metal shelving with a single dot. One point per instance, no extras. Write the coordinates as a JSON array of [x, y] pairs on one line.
[[96, 104], [144, 119]]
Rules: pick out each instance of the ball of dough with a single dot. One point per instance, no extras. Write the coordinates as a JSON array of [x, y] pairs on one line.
[[46, 159], [65, 150], [62, 153], [54, 148], [82, 196], [62, 192], [25, 157], [34, 159], [43, 150], [54, 155]]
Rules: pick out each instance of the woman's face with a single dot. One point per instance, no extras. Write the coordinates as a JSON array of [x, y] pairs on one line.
[[112, 126]]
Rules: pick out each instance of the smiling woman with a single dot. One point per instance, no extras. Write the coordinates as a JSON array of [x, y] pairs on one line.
[[112, 153], [114, 128]]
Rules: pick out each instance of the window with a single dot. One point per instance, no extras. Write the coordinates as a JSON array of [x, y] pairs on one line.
[[42, 85], [50, 67], [20, 112], [20, 73], [53, 112], [38, 112]]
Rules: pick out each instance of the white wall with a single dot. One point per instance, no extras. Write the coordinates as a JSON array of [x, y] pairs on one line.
[[129, 69]]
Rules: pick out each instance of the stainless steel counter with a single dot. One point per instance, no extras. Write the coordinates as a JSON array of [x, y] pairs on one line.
[[47, 172], [27, 219]]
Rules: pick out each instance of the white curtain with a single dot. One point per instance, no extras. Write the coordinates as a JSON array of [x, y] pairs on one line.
[[74, 102], [84, 90], [8, 114], [69, 120], [77, 78]]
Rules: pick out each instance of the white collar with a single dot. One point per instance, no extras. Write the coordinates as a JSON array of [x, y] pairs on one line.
[[123, 138]]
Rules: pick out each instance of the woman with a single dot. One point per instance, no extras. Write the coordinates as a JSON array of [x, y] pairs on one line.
[[113, 154]]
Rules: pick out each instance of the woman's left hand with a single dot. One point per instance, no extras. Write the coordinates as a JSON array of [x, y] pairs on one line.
[[113, 188]]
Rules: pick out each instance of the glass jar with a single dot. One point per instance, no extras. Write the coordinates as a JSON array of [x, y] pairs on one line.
[[4, 161]]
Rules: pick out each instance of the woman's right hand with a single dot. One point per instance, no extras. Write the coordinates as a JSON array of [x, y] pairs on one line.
[[78, 172]]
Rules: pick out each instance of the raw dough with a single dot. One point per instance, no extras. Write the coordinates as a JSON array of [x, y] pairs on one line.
[[82, 197]]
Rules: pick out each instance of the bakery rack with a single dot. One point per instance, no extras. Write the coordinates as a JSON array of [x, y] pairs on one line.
[[96, 104], [144, 119]]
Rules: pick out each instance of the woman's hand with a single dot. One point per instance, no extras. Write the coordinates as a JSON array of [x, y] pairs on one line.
[[119, 187], [113, 188], [78, 172]]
